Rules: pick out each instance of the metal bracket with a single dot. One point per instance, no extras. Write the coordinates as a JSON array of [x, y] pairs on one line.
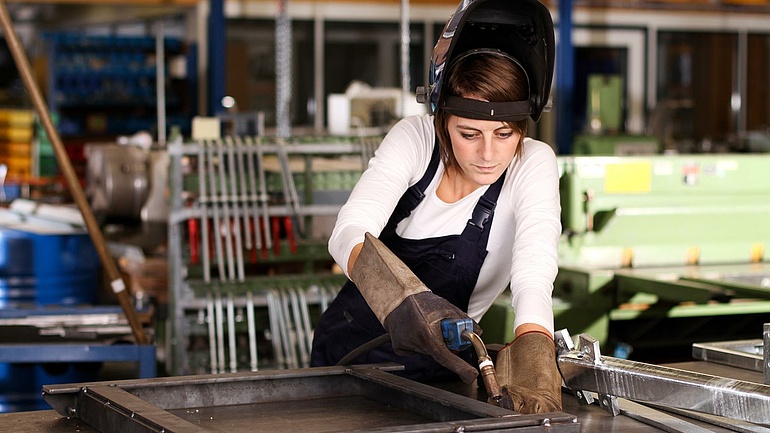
[[588, 350]]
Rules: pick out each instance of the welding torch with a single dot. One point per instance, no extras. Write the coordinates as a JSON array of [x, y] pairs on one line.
[[458, 335]]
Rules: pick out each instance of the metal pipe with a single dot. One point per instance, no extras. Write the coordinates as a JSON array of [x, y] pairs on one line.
[[485, 365], [204, 202], [214, 200], [73, 183], [224, 201]]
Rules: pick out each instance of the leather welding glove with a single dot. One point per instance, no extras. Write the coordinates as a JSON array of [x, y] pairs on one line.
[[406, 308], [527, 373]]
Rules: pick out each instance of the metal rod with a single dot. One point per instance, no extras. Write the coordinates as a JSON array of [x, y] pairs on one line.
[[263, 197], [203, 202], [231, 333], [253, 193], [224, 200], [243, 194], [220, 332], [65, 165], [212, 333], [233, 199], [274, 312], [252, 331], [215, 209]]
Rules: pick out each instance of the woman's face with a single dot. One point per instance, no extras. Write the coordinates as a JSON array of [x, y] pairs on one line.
[[483, 148]]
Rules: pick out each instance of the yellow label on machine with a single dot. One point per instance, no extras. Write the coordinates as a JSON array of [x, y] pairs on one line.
[[625, 178]]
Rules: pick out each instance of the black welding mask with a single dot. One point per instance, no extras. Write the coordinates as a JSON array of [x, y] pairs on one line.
[[519, 29]]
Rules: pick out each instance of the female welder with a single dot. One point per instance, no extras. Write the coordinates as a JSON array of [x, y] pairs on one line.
[[469, 203]]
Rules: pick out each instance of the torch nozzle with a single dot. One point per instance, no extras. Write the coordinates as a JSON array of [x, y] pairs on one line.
[[486, 366]]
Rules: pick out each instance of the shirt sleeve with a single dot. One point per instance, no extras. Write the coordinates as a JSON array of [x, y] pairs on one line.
[[398, 162], [537, 230]]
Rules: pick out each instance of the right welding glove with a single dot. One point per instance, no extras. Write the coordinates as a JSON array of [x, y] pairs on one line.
[[406, 308], [527, 372]]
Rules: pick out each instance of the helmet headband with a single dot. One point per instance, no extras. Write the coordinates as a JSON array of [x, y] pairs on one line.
[[482, 110]]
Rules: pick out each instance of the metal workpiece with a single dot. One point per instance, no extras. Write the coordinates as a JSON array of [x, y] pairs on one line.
[[584, 369], [747, 354], [329, 399]]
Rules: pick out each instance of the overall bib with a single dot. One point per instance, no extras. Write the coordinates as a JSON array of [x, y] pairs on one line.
[[448, 265]]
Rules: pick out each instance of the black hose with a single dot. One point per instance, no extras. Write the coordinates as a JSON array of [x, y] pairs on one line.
[[360, 350]]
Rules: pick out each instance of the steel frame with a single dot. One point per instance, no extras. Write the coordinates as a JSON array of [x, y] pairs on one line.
[[159, 405]]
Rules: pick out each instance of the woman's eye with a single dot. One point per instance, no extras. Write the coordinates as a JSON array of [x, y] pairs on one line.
[[505, 135], [468, 136]]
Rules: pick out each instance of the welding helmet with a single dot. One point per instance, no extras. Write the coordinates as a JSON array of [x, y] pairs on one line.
[[519, 29]]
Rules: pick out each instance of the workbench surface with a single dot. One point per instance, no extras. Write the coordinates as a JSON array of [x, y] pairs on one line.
[[591, 418]]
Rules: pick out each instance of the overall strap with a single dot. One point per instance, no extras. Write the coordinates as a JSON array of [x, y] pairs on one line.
[[415, 193], [481, 218]]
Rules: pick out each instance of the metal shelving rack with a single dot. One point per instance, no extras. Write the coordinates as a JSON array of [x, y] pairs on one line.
[[225, 314]]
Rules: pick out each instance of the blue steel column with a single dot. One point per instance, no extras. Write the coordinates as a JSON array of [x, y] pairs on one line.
[[216, 54], [565, 79]]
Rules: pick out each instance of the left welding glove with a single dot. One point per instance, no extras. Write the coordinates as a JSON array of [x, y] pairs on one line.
[[408, 310], [528, 375]]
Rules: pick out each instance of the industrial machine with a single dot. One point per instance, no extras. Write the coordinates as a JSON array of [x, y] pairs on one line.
[[660, 251]]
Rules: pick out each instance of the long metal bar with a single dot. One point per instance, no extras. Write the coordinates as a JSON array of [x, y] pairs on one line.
[[243, 195], [263, 197], [234, 200], [248, 151], [746, 354], [144, 417], [73, 183], [224, 201], [656, 418], [215, 203], [586, 369], [252, 328], [204, 202]]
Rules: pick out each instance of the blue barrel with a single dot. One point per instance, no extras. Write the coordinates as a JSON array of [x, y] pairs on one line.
[[44, 270], [47, 269]]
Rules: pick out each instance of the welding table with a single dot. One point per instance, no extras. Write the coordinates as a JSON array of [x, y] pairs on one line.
[[590, 418]]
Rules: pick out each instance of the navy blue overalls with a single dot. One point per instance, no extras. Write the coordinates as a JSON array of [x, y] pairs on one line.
[[448, 265]]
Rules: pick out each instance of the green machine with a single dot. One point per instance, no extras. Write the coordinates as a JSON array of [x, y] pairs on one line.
[[660, 251]]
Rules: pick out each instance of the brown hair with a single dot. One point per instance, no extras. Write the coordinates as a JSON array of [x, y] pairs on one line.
[[486, 76]]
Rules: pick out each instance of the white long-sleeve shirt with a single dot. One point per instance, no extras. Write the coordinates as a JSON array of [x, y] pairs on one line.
[[524, 233]]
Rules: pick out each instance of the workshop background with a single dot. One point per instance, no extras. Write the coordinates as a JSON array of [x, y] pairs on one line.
[[215, 141]]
